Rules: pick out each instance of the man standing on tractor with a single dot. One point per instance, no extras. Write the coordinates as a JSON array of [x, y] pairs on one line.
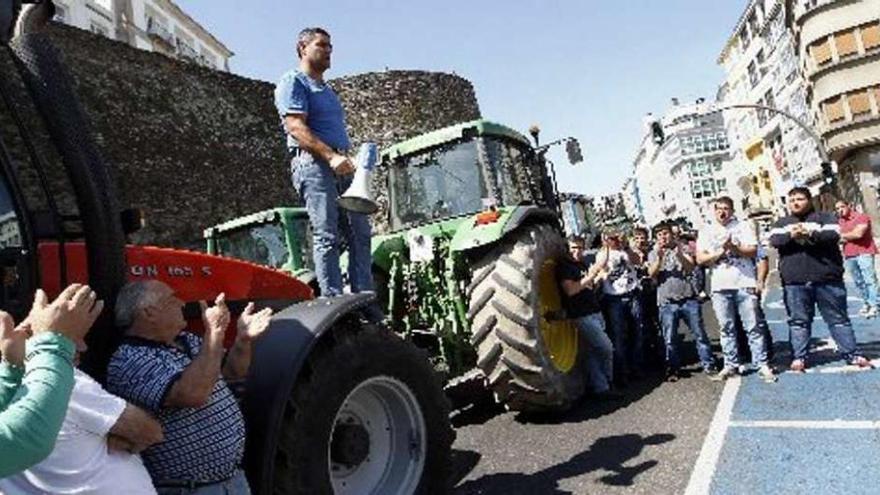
[[317, 143]]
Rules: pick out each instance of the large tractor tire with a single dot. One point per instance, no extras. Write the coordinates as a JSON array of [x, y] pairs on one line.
[[531, 357], [366, 416]]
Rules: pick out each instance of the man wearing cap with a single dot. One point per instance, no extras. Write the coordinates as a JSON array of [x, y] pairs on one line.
[[317, 143]]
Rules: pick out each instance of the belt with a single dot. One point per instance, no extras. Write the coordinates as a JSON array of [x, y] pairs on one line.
[[191, 484], [295, 151]]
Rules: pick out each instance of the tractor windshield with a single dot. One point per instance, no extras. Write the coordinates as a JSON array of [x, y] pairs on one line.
[[458, 179], [263, 244]]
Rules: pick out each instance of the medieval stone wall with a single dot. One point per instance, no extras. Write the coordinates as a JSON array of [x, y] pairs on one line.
[[193, 147]]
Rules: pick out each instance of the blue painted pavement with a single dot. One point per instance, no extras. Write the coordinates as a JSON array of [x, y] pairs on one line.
[[817, 432]]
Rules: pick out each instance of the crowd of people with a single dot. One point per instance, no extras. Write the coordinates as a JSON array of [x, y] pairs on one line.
[[628, 298]]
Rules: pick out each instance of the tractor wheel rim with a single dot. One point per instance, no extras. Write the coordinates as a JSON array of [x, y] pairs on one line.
[[560, 336], [378, 442]]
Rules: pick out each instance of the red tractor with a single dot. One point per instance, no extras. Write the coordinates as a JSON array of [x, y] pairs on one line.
[[333, 403]]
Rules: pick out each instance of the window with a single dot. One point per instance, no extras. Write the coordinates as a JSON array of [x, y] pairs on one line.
[[754, 78], [60, 14], [846, 44], [821, 52], [99, 29], [870, 36], [833, 110], [721, 185], [859, 103]]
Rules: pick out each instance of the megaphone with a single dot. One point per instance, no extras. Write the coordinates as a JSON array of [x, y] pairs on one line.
[[357, 197]]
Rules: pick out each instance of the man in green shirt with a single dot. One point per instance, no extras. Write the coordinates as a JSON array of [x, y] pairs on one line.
[[36, 373]]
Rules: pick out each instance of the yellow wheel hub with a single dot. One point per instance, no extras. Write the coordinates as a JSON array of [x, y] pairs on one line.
[[560, 336]]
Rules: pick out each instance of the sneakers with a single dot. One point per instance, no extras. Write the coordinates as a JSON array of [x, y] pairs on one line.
[[724, 374], [672, 376], [871, 312], [766, 373], [798, 366], [864, 309], [861, 362]]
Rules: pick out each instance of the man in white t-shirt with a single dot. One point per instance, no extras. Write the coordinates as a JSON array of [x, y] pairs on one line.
[[96, 450], [622, 300], [728, 247]]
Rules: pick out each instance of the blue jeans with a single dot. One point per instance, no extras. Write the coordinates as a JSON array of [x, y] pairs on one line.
[[671, 313], [623, 310], [600, 352], [801, 301], [320, 188], [861, 269], [727, 304], [237, 485]]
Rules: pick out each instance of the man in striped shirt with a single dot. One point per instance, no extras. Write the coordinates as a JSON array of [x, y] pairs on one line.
[[811, 269], [179, 377]]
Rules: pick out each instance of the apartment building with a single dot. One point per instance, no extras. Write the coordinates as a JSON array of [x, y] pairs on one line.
[[838, 45], [771, 151], [153, 25], [678, 179]]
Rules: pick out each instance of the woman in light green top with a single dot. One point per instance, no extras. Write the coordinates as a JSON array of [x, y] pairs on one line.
[[36, 373]]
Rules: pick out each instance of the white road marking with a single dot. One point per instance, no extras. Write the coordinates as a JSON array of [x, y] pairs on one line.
[[836, 424], [704, 469]]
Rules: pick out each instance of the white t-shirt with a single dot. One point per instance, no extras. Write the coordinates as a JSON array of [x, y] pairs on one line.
[[622, 276], [729, 272], [80, 462]]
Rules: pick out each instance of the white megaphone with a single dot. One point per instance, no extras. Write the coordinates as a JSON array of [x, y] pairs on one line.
[[357, 197]]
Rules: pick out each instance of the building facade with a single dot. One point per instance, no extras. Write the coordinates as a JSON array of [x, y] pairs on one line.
[[153, 25], [678, 179], [772, 152], [839, 49]]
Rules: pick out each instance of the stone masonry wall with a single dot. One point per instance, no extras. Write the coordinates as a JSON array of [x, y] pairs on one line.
[[193, 147]]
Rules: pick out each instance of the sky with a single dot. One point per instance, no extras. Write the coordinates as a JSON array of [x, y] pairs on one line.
[[590, 69]]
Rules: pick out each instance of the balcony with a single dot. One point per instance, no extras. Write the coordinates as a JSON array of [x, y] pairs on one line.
[[187, 52], [159, 33]]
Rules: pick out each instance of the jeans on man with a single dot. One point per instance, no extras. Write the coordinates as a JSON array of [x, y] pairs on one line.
[[600, 352], [861, 269], [801, 301], [671, 313], [320, 188], [237, 485], [727, 304], [623, 310]]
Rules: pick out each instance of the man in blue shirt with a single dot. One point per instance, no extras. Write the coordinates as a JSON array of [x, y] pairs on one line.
[[317, 141], [181, 379]]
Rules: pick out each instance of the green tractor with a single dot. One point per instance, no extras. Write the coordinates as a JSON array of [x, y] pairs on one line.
[[467, 269]]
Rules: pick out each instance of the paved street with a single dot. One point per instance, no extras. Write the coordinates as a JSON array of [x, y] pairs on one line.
[[807, 431]]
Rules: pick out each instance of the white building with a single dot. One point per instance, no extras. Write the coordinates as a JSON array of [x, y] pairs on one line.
[[632, 204], [153, 25], [761, 66], [679, 179]]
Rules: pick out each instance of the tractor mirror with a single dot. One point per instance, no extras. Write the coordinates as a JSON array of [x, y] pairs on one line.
[[132, 220], [573, 150]]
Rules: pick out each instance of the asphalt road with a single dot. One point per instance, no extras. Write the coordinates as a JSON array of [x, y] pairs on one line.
[[646, 443], [817, 432]]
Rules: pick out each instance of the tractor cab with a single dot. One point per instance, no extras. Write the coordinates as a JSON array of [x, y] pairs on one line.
[[462, 170]]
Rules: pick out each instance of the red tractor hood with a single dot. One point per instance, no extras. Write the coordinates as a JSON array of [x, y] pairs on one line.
[[194, 276]]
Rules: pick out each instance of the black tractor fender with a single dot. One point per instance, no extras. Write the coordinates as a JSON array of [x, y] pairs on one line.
[[530, 214], [278, 358]]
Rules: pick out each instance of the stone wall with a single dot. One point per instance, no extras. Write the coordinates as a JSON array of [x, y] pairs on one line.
[[193, 147]]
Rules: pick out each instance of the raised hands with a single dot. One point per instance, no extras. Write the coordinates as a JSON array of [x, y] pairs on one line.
[[12, 340], [216, 318], [251, 325], [71, 314]]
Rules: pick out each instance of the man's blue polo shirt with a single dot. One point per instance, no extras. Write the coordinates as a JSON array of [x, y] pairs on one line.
[[204, 444], [298, 93]]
